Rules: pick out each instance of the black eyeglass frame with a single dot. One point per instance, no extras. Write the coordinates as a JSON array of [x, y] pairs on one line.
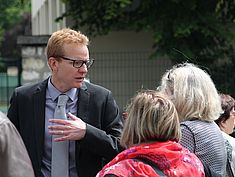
[[88, 62]]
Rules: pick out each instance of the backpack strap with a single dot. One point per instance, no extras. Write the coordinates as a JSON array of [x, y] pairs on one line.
[[150, 163]]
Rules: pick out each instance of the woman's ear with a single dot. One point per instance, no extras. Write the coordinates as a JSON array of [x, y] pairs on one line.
[[222, 125]]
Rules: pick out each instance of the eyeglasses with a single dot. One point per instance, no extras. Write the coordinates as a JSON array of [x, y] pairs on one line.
[[79, 63]]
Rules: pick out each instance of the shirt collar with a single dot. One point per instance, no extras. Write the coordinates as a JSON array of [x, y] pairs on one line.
[[54, 92]]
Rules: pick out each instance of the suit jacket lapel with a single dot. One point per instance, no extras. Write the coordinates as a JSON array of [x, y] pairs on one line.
[[83, 102], [39, 102]]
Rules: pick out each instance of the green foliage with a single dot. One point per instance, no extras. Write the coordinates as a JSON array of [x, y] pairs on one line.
[[197, 27], [200, 29], [10, 13]]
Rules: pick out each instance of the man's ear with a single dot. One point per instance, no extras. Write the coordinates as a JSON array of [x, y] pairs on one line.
[[53, 63]]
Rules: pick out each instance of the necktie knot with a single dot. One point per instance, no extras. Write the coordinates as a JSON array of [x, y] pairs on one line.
[[60, 110], [62, 100]]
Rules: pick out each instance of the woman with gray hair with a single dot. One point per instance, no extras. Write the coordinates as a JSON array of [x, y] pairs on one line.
[[151, 134], [198, 104]]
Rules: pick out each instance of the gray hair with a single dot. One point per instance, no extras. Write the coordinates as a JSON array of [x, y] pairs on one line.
[[192, 91]]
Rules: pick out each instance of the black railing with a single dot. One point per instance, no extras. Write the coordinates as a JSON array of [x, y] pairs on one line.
[[10, 77]]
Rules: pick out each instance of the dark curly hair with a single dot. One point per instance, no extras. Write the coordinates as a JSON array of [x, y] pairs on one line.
[[227, 104]]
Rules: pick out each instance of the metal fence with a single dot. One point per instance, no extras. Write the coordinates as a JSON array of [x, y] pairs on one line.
[[8, 82], [124, 73], [7, 85]]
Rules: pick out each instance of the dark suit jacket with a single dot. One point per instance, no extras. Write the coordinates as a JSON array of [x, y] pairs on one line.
[[96, 107]]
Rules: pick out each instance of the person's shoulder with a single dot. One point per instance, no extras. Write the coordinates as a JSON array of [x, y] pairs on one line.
[[31, 86], [4, 119], [92, 86], [189, 123], [230, 139], [197, 123], [120, 168], [193, 126]]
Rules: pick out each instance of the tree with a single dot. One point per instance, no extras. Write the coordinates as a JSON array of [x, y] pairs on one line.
[[198, 29], [14, 18]]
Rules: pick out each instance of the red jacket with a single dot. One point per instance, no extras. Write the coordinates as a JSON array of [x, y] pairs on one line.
[[170, 157]]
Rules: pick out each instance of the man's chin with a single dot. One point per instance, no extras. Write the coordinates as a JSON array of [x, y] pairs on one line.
[[78, 84]]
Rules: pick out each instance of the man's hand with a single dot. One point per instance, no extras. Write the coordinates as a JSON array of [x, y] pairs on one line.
[[72, 129]]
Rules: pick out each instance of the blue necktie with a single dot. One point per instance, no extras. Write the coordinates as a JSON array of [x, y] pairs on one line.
[[60, 150]]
